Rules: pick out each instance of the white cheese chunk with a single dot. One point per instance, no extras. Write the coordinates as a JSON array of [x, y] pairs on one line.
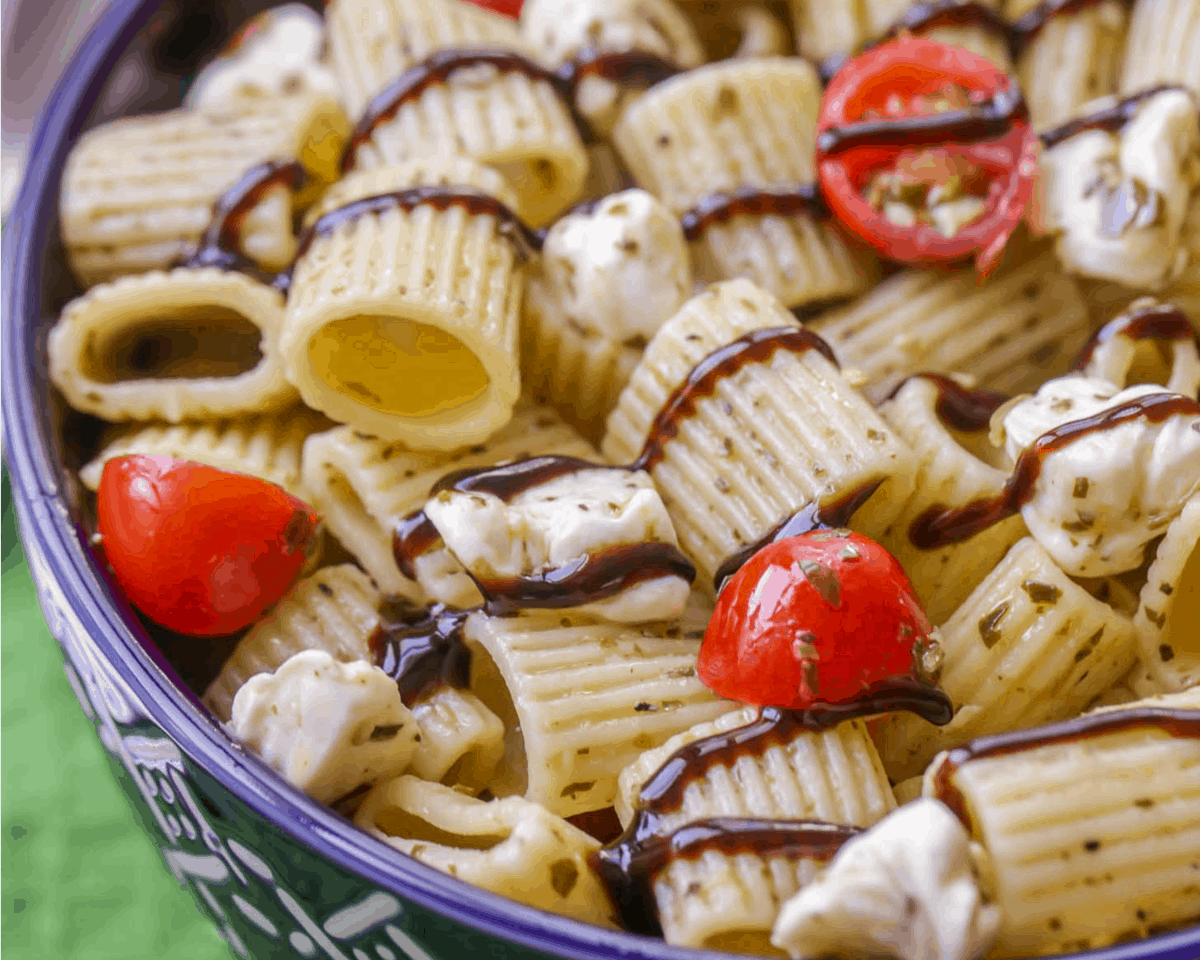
[[555, 523], [327, 727], [905, 888], [621, 270], [1100, 498]]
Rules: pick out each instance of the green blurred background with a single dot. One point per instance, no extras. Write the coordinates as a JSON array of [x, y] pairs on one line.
[[79, 878]]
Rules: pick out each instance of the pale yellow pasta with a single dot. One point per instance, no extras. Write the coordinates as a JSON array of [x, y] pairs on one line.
[[954, 468], [772, 437], [1162, 45], [1028, 646], [506, 120], [1168, 614], [1074, 58], [738, 125], [512, 846], [138, 193], [581, 700], [185, 345], [1127, 361], [364, 487], [1092, 839], [403, 323], [267, 447], [1009, 334], [462, 741]]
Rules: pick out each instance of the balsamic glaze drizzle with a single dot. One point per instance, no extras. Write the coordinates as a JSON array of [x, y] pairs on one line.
[[968, 411], [718, 208], [1109, 118], [1162, 322], [940, 526], [1175, 723], [421, 649]]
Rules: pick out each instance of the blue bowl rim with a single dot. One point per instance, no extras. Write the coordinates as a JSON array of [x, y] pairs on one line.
[[34, 478]]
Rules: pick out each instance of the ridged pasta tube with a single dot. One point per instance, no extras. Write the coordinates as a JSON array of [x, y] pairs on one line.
[[768, 438], [1168, 612], [1118, 355], [404, 323], [512, 847], [1092, 832], [267, 447], [1028, 646], [185, 345], [581, 700], [507, 120], [462, 741], [563, 30], [1074, 58], [137, 193], [1009, 334], [955, 467], [734, 126], [1161, 46], [363, 487], [730, 901]]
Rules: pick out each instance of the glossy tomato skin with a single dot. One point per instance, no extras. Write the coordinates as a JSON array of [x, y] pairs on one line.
[[913, 67], [202, 551], [507, 8], [816, 618]]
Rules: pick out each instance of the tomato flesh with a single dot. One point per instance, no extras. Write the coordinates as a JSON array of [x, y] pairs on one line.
[[202, 551], [815, 618], [506, 8], [912, 78]]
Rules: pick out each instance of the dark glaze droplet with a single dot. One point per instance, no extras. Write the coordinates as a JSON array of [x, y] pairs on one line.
[[629, 866], [663, 792], [221, 238], [940, 526], [758, 346], [1161, 322], [968, 411], [722, 207], [1175, 723], [592, 577], [810, 517], [992, 118], [421, 649], [1111, 118]]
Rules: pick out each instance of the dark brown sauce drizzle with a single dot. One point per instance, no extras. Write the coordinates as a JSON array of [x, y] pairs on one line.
[[758, 346], [968, 411], [1024, 28], [219, 243], [592, 577], [1109, 118], [989, 119], [722, 207], [421, 649], [629, 866], [810, 517], [1162, 322], [1176, 723], [940, 526], [630, 68]]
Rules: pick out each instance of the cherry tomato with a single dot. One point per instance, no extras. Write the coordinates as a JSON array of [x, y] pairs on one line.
[[925, 151], [818, 617], [507, 8], [199, 550]]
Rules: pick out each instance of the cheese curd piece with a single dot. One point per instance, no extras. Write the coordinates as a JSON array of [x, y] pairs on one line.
[[278, 54], [905, 889], [1119, 200], [327, 727], [1102, 497], [557, 522], [620, 270]]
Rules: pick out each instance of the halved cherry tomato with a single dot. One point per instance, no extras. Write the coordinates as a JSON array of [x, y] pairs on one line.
[[925, 152], [507, 8], [199, 550], [815, 618]]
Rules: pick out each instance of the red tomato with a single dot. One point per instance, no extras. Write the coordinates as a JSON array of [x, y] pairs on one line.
[[507, 8], [863, 157], [814, 618], [202, 551]]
